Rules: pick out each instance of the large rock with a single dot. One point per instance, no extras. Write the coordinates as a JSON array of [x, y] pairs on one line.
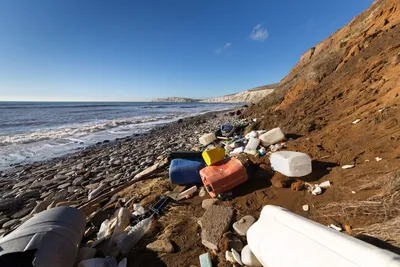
[[214, 223], [243, 225], [161, 246]]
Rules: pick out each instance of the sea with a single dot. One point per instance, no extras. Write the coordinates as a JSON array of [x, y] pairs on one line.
[[37, 131]]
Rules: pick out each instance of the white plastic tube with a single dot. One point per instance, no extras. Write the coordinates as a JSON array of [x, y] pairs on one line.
[[281, 238]]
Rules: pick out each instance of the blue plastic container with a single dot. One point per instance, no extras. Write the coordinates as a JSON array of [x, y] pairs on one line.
[[186, 171]]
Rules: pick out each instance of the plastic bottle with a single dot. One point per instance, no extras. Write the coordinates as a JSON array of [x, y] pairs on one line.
[[291, 164], [272, 137], [134, 235]]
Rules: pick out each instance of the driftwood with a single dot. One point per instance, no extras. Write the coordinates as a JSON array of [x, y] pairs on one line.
[[110, 191]]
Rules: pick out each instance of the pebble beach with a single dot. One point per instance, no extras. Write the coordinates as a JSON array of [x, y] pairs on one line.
[[72, 179]]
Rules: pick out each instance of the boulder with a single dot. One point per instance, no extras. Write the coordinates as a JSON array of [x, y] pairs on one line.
[[214, 223]]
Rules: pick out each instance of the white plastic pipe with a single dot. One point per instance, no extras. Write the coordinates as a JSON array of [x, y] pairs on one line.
[[281, 238]]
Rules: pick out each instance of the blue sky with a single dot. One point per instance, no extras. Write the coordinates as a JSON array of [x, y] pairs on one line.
[[137, 50]]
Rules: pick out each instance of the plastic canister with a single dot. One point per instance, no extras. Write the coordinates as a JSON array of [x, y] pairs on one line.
[[252, 144], [213, 155], [186, 171], [278, 231], [207, 139], [291, 164], [223, 176], [272, 137]]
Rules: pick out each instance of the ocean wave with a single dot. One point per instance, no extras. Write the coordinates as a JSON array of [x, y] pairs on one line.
[[75, 132]]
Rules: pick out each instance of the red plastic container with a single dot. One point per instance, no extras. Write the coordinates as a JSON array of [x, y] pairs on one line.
[[223, 176]]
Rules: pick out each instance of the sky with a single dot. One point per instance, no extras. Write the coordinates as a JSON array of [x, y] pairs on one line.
[[131, 50]]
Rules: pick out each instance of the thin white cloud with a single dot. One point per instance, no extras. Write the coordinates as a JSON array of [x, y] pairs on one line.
[[226, 46], [259, 33]]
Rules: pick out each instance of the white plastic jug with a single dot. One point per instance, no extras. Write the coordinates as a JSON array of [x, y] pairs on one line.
[[291, 164], [310, 244], [207, 139], [252, 144], [272, 137]]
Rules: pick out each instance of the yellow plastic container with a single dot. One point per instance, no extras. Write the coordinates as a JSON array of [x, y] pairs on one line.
[[213, 155]]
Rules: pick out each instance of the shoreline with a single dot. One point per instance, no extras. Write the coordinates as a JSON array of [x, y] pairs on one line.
[[71, 177], [14, 167]]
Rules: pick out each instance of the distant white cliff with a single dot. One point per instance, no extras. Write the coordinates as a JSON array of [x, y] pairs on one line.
[[249, 96], [174, 99]]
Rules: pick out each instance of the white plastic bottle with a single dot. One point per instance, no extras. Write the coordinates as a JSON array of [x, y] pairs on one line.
[[272, 137], [291, 164], [134, 235]]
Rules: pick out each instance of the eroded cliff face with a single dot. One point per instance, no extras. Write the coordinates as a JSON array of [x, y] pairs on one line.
[[340, 104], [354, 48], [353, 74]]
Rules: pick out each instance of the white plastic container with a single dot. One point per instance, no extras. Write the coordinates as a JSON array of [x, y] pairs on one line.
[[207, 139], [310, 244], [291, 164], [252, 144], [134, 235], [272, 137]]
